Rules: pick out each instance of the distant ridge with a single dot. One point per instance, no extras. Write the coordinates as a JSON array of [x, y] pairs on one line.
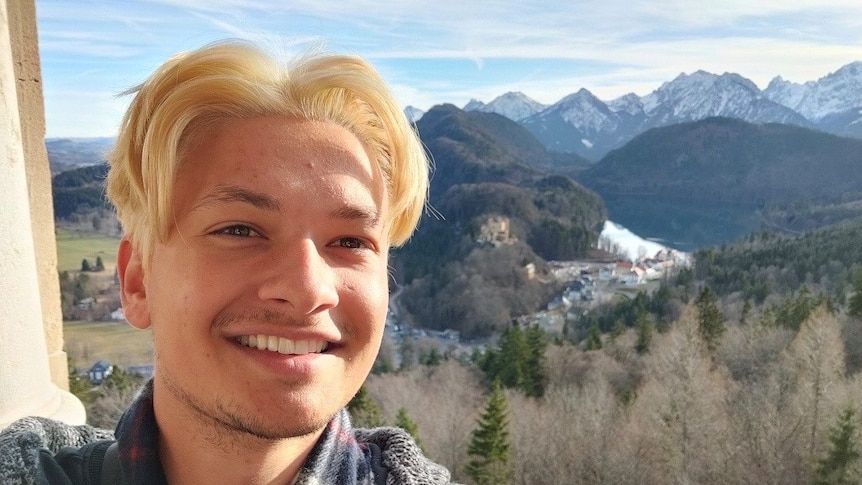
[[584, 124]]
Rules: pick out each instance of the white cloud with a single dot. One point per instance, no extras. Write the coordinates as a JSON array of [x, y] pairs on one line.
[[611, 46]]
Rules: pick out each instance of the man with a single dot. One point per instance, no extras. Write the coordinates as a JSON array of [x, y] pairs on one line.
[[259, 204]]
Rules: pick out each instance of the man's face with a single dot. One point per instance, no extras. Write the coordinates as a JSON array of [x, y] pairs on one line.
[[268, 299]]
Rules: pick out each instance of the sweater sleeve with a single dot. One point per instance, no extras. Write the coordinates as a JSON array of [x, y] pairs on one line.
[[403, 459], [22, 442]]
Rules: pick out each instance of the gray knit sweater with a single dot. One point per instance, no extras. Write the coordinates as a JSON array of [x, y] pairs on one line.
[[20, 446]]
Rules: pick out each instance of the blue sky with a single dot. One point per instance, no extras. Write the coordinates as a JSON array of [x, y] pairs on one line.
[[438, 51]]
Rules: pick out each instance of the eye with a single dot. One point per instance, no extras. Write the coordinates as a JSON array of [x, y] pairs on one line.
[[238, 230], [351, 243]]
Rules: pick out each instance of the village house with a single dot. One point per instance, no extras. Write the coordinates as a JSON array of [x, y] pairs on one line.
[[100, 371]]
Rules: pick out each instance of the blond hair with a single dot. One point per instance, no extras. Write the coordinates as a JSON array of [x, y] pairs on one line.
[[234, 79]]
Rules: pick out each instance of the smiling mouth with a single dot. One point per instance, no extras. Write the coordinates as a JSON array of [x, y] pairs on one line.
[[283, 345]]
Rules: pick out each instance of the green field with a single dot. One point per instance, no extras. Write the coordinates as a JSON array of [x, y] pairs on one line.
[[74, 246], [117, 342]]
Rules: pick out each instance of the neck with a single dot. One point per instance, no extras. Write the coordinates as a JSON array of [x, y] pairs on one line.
[[196, 449]]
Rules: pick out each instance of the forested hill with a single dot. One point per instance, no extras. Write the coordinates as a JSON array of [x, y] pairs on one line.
[[79, 190], [713, 181], [823, 260], [473, 147], [500, 218], [725, 159]]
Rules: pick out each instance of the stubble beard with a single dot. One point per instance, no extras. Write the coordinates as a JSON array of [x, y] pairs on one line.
[[226, 425]]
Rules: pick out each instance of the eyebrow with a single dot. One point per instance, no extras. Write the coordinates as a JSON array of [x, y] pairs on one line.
[[232, 193], [369, 216], [226, 193]]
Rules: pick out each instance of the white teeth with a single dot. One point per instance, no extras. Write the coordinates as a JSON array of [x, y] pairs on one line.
[[301, 347], [283, 345]]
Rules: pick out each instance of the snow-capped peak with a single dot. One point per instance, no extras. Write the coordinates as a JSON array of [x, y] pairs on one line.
[[473, 105], [835, 92], [630, 103], [513, 105]]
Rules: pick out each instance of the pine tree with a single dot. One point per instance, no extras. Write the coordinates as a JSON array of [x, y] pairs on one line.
[[644, 333], [535, 368], [710, 319], [403, 421], [86, 266], [513, 350], [841, 465], [489, 446], [594, 339], [364, 410], [100, 265]]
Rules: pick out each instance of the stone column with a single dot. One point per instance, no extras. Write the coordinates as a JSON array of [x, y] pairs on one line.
[[26, 384]]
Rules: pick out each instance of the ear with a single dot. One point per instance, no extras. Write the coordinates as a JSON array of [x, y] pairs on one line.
[[133, 291]]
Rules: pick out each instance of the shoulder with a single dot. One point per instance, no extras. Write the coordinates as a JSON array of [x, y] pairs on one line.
[[26, 443], [402, 457]]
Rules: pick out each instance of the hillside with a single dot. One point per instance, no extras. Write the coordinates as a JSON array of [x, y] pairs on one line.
[[80, 191], [762, 264], [66, 154], [500, 218], [731, 174]]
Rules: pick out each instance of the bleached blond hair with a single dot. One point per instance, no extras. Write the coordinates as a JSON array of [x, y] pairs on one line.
[[236, 80]]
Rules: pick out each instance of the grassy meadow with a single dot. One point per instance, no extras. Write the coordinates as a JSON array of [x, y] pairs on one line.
[[75, 246], [88, 342], [117, 342]]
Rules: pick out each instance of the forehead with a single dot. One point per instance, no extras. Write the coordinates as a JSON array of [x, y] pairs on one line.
[[278, 154]]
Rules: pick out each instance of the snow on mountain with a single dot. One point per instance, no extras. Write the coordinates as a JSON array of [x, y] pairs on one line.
[[701, 95], [584, 124], [584, 111], [630, 103], [831, 94], [413, 114], [513, 105], [473, 105]]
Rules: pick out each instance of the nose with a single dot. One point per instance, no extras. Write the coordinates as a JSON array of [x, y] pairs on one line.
[[301, 277]]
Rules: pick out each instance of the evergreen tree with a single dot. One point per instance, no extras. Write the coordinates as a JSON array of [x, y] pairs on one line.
[[364, 410], [841, 465], [709, 318], [855, 305], [489, 446], [644, 333], [432, 358], [100, 265], [408, 354], [382, 364], [403, 421], [513, 353], [594, 339], [86, 266], [535, 368]]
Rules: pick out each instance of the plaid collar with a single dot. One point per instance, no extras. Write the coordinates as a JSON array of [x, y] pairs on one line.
[[138, 441], [337, 458]]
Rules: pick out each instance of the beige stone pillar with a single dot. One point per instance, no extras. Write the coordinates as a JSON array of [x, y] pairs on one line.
[[26, 384], [28, 79]]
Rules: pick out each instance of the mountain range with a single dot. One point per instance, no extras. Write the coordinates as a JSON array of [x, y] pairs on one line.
[[582, 123]]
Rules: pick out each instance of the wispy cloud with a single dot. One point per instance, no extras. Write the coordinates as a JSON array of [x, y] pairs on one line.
[[453, 50]]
